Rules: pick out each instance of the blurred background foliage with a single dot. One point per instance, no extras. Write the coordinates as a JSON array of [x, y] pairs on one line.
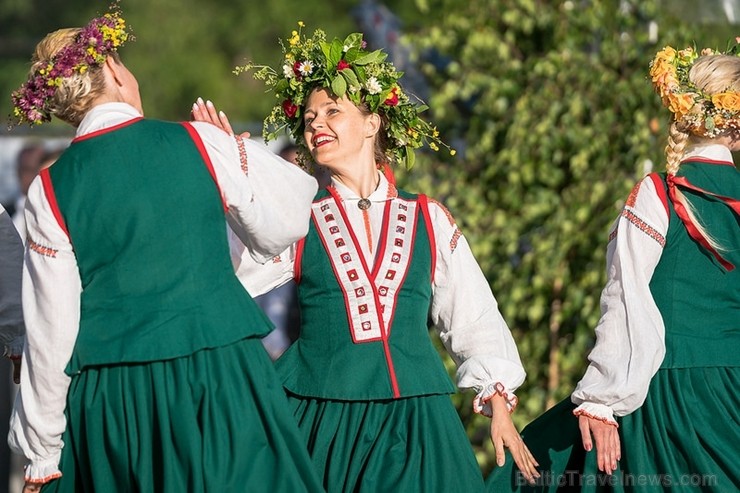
[[547, 103]]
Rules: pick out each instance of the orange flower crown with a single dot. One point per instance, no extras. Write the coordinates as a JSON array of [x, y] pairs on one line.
[[706, 114]]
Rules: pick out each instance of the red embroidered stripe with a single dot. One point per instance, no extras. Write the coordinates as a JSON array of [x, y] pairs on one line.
[[633, 195], [643, 226], [206, 158], [45, 251], [242, 154]]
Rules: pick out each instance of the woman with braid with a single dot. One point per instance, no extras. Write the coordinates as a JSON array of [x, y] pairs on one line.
[[659, 400]]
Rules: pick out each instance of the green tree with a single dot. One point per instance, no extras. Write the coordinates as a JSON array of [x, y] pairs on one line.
[[555, 119]]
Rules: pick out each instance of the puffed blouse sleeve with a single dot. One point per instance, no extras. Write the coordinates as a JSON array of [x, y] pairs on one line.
[[51, 304], [268, 198], [630, 343], [11, 269], [470, 325]]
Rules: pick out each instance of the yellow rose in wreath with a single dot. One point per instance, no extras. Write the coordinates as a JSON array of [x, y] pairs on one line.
[[729, 101]]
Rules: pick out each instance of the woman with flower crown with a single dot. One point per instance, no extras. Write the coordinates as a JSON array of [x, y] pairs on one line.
[[666, 360], [365, 382], [143, 368]]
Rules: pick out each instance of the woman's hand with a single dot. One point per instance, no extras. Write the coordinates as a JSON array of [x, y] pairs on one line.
[[205, 111], [606, 436], [504, 434], [32, 487]]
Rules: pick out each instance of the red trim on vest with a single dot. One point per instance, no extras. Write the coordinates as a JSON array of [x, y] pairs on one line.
[[300, 245], [391, 369], [660, 189], [52, 198], [424, 208], [707, 161], [107, 129], [734, 204], [383, 240], [206, 158]]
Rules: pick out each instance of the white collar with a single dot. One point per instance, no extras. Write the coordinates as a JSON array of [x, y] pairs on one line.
[[713, 152], [106, 115], [380, 194]]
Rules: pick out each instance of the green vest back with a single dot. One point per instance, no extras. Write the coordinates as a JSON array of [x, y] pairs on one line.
[[698, 299], [147, 225], [328, 361]]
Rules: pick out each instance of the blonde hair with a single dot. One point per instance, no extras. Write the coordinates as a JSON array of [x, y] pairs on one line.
[[712, 74], [78, 92]]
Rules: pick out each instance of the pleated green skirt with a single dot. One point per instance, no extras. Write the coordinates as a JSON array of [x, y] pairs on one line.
[[416, 444], [217, 420], [685, 437]]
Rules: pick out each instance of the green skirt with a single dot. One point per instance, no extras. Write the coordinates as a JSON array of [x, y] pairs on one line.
[[217, 420], [415, 444], [685, 437]]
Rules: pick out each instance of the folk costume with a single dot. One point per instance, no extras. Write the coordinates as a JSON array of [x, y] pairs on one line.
[[665, 362], [143, 368], [366, 385]]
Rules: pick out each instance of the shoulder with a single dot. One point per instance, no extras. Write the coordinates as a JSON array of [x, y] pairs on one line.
[[438, 212]]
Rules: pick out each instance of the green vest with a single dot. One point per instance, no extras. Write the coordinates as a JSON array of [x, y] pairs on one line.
[[364, 333], [146, 221], [698, 299]]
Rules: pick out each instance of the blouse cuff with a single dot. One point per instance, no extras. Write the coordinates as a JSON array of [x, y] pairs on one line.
[[41, 472], [482, 401], [596, 411], [14, 349]]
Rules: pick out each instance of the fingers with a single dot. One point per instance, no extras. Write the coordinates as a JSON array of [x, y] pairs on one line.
[[585, 433], [524, 460], [31, 487], [606, 438], [205, 111], [224, 121], [504, 434]]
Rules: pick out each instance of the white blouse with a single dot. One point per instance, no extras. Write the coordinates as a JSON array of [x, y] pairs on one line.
[[268, 207], [630, 344], [11, 268], [464, 310]]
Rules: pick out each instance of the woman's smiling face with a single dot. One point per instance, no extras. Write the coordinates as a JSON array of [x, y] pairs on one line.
[[336, 131]]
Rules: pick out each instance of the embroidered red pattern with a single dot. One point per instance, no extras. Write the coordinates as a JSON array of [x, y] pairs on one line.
[[632, 198], [40, 249], [447, 212], [242, 154], [641, 225], [455, 238]]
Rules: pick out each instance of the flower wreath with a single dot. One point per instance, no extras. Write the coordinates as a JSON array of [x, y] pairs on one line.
[[101, 37], [347, 69], [706, 114]]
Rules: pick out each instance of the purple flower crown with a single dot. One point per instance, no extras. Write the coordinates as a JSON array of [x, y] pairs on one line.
[[101, 37]]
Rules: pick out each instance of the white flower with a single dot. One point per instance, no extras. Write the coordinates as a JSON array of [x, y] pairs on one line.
[[306, 67], [373, 86], [288, 71], [354, 89]]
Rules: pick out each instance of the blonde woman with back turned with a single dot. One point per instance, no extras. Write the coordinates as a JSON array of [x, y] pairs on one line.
[[659, 400]]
